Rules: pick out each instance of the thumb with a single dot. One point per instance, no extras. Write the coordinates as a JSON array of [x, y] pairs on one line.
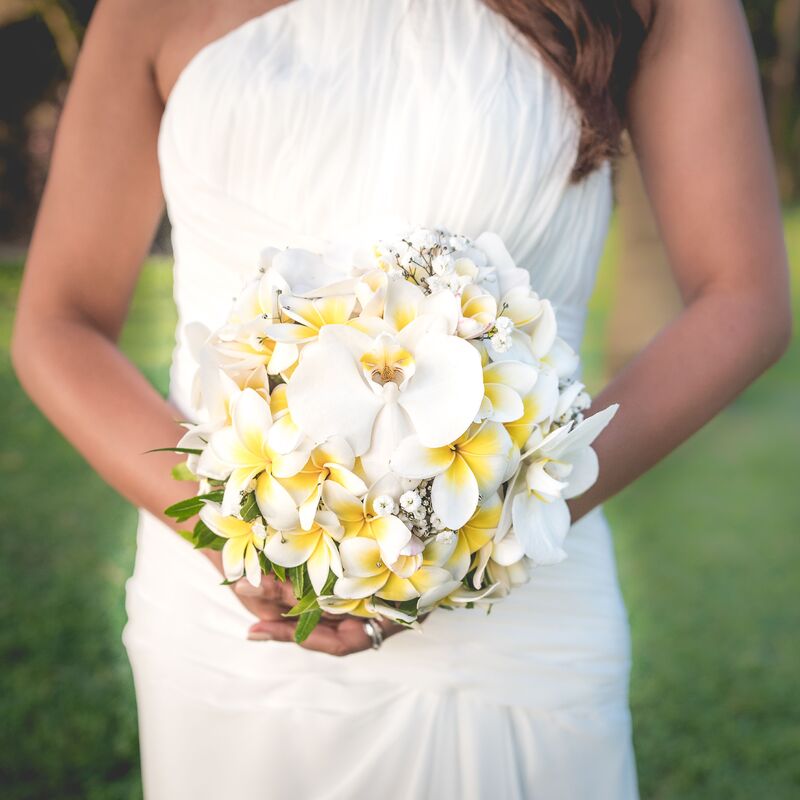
[[272, 630]]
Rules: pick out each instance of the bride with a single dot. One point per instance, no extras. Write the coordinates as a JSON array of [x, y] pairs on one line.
[[282, 124]]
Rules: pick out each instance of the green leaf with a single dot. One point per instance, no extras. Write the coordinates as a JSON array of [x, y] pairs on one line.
[[279, 571], [186, 509], [308, 603], [189, 450], [307, 622], [181, 472], [297, 577], [329, 584], [408, 606], [250, 509], [203, 536]]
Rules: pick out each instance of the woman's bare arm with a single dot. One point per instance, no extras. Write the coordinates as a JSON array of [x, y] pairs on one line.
[[99, 212], [698, 128], [97, 219], [95, 225]]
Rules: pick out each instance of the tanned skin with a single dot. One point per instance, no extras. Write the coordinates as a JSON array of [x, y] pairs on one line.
[[698, 128]]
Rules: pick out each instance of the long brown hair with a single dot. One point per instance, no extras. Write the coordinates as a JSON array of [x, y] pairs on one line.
[[593, 47]]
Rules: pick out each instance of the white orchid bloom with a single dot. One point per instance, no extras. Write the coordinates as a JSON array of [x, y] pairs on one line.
[[244, 540], [561, 466], [472, 466], [315, 547], [243, 447], [420, 380]]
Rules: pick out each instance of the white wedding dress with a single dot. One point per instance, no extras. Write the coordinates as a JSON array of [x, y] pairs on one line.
[[305, 121]]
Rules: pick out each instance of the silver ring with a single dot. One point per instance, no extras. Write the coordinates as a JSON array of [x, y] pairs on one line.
[[375, 633]]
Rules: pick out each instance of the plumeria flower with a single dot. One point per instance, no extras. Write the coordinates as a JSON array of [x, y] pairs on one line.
[[482, 525], [505, 383], [284, 435], [538, 405], [367, 518], [315, 547], [521, 308], [289, 501], [243, 447], [366, 573], [244, 540], [405, 302], [561, 466], [478, 312], [308, 317], [241, 342], [475, 464], [369, 607], [503, 563]]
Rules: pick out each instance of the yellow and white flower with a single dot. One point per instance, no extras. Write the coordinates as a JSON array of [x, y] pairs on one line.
[[316, 547], [366, 574], [562, 465], [244, 540], [475, 464], [243, 447]]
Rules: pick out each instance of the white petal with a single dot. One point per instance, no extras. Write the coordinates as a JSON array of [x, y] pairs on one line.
[[446, 305], [562, 358], [509, 275], [585, 469], [413, 460], [454, 494], [251, 419], [541, 528], [318, 564], [252, 568], [328, 396], [508, 551], [585, 432], [391, 427], [444, 395], [544, 332]]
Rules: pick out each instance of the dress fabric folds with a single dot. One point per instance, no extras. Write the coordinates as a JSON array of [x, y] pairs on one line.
[[313, 119]]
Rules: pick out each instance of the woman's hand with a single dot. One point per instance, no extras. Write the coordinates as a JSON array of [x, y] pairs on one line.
[[337, 635], [268, 602]]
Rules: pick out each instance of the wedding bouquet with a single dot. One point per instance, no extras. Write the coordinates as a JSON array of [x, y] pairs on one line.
[[392, 428]]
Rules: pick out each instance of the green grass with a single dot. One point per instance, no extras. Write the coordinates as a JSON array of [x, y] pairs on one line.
[[709, 560]]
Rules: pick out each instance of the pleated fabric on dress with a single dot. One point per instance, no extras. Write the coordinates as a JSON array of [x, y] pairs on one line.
[[316, 118]]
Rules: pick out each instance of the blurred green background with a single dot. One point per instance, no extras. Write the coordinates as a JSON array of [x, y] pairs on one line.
[[708, 543]]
